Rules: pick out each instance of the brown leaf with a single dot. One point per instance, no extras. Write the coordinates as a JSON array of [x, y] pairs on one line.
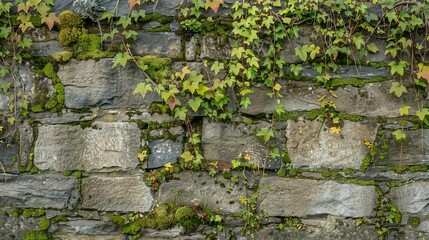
[[50, 19]]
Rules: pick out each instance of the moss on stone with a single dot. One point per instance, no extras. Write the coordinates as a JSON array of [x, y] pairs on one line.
[[16, 212], [62, 57], [69, 36], [287, 115], [44, 223], [49, 71], [87, 43], [415, 222], [356, 82], [37, 235], [59, 218], [349, 117], [70, 19], [118, 220], [97, 54], [28, 213], [37, 108], [184, 213], [157, 68]]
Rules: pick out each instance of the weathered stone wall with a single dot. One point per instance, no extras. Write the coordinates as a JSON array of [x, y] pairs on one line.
[[83, 164]]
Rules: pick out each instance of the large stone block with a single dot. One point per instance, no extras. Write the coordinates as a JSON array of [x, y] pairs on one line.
[[12, 228], [305, 197], [310, 144], [225, 141], [198, 188], [414, 151], [88, 227], [215, 47], [164, 151], [161, 44], [95, 84], [44, 49], [102, 147], [39, 191], [411, 198], [120, 194]]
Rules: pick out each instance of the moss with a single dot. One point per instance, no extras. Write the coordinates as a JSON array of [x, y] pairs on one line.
[[157, 17], [227, 175], [36, 20], [78, 174], [59, 218], [44, 223], [62, 57], [158, 108], [415, 222], [16, 212], [86, 124], [70, 19], [49, 71], [27, 213], [157, 68], [87, 43], [37, 235], [314, 114], [67, 173], [422, 168], [349, 171], [184, 213], [356, 82], [358, 181], [97, 54], [68, 36], [287, 116], [353, 118], [365, 164], [118, 220], [37, 109]]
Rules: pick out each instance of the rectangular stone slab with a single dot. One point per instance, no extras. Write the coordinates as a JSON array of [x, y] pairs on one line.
[[120, 194], [38, 191], [102, 147], [304, 197], [411, 198]]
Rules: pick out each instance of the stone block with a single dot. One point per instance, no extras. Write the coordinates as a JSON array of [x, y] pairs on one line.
[[310, 144], [88, 227], [119, 194], [12, 228], [225, 141], [38, 191], [102, 147], [161, 44], [164, 151], [93, 83], [305, 197], [44, 49], [198, 188], [411, 198]]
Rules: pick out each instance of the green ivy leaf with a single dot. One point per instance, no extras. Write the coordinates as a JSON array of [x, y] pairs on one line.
[[217, 67], [404, 111], [398, 89], [143, 88], [422, 114], [398, 67], [121, 58], [266, 134], [372, 47], [301, 53], [195, 103], [187, 156], [245, 102], [399, 134]]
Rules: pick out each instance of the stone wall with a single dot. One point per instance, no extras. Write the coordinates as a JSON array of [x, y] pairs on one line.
[[80, 167]]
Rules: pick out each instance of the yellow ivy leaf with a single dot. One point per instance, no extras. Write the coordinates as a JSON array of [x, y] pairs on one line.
[[1, 128], [368, 144], [168, 166], [247, 157], [142, 155], [277, 87], [335, 130], [187, 156]]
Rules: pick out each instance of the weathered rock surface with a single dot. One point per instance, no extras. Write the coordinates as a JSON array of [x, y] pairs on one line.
[[307, 35], [73, 236], [286, 198], [215, 47], [26, 139], [161, 44], [39, 191], [12, 228], [44, 49], [121, 194], [223, 141], [411, 198], [95, 84], [412, 152], [198, 188], [164, 151], [102, 147], [8, 151], [88, 227], [310, 144]]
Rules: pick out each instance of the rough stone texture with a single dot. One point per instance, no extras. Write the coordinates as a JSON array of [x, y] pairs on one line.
[[88, 227], [72, 236], [215, 47], [372, 100], [12, 228], [341, 231], [347, 72], [95, 84], [306, 35], [411, 198], [383, 174], [101, 147], [164, 151], [190, 49], [304, 197], [198, 188], [121, 194], [224, 142], [8, 151], [412, 152], [39, 191], [26, 138], [154, 117], [44, 49], [310, 144], [161, 44], [54, 118], [110, 6]]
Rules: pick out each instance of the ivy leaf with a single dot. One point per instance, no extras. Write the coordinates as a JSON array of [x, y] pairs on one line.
[[187, 156], [25, 22], [195, 103], [266, 134], [143, 88], [216, 67], [372, 47], [422, 114], [398, 89], [180, 113], [50, 20], [121, 58], [399, 134], [132, 3], [213, 4], [301, 53], [335, 130], [398, 67], [245, 102], [423, 72], [404, 111], [25, 43], [191, 86]]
